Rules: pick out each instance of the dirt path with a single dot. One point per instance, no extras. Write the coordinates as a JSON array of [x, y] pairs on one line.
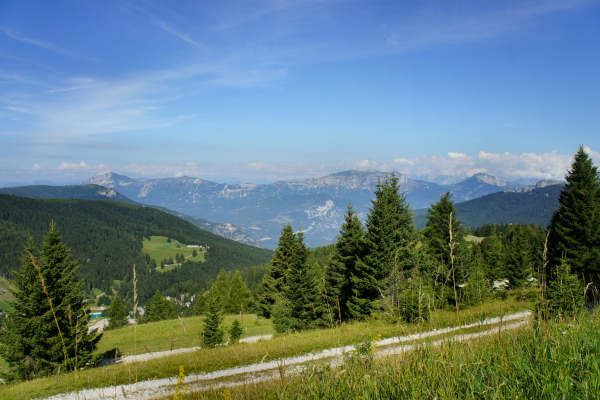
[[270, 370]]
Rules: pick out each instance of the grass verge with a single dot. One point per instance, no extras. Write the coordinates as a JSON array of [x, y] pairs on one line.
[[553, 360], [229, 356]]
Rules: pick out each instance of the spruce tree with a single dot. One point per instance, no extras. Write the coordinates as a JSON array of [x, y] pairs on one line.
[[302, 290], [436, 233], [347, 266], [575, 226], [235, 332], [222, 285], [159, 308], [389, 228], [275, 279], [47, 328], [212, 334], [239, 295], [117, 314]]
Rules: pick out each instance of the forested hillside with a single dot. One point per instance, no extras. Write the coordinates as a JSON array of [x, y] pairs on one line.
[[106, 238], [83, 192], [531, 207]]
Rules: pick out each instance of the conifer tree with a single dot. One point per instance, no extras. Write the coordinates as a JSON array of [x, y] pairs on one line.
[[275, 279], [239, 295], [302, 290], [493, 257], [518, 261], [47, 328], [235, 332], [159, 308], [347, 266], [212, 334], [221, 286], [389, 228], [575, 225], [436, 233], [117, 314]]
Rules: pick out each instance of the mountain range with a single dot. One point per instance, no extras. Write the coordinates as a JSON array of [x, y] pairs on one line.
[[316, 205]]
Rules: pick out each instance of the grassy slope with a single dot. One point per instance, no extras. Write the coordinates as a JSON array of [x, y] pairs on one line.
[[229, 356], [5, 294], [159, 248], [171, 334], [558, 359]]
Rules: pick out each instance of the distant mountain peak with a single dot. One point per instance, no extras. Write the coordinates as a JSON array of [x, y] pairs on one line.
[[110, 180], [489, 179]]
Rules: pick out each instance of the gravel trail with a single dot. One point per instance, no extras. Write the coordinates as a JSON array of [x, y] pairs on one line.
[[270, 370]]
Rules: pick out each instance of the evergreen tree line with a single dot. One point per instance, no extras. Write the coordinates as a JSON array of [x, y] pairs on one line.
[[387, 265]]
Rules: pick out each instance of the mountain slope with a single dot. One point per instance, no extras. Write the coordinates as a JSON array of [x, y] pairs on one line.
[[106, 237], [97, 192], [82, 192], [315, 205], [532, 206]]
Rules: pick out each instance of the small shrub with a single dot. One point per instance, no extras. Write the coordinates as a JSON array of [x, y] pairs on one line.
[[235, 332]]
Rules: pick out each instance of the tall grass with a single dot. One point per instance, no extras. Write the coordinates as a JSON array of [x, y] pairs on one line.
[[557, 360], [240, 354]]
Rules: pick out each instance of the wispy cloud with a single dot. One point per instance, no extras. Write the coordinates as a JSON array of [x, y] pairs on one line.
[[180, 35], [35, 42], [442, 26]]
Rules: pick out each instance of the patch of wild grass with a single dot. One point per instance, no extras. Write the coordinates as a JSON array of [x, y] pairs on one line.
[[554, 360], [174, 334], [206, 360]]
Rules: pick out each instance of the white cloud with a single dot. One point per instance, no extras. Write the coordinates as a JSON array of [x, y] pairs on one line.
[[67, 165]]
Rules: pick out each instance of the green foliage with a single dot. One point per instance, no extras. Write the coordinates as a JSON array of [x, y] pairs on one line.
[[389, 228], [564, 295], [117, 313], [200, 304], [159, 308], [347, 278], [239, 297], [47, 328], [235, 332], [302, 291], [282, 316], [575, 226], [221, 287], [416, 300], [212, 334], [436, 234]]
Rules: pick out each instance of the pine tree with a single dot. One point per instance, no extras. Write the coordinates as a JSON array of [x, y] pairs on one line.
[[565, 295], [302, 290], [47, 328], [117, 313], [221, 286], [212, 334], [493, 257], [275, 279], [436, 233], [518, 261], [235, 332], [389, 228], [346, 267], [159, 308], [575, 225], [239, 295]]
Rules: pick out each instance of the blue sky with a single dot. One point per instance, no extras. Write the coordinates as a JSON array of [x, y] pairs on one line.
[[277, 89]]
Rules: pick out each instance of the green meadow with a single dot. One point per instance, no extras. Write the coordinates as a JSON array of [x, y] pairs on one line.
[[161, 248]]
